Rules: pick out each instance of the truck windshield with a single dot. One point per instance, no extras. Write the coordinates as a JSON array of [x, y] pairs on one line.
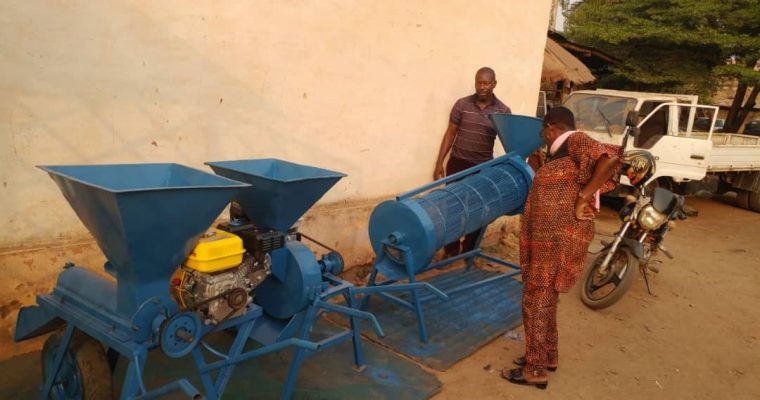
[[598, 113]]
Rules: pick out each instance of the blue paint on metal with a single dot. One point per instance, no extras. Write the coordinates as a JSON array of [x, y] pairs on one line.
[[406, 232], [280, 191], [59, 361], [302, 283], [428, 222], [326, 375], [146, 218], [385, 376], [463, 324], [35, 321], [181, 334], [518, 133]]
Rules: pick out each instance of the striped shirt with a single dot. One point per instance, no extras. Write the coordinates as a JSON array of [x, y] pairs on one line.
[[476, 134]]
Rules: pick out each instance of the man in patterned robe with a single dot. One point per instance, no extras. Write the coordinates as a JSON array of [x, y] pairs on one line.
[[556, 229]]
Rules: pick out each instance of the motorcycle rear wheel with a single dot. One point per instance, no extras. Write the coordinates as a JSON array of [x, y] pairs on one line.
[[603, 290]]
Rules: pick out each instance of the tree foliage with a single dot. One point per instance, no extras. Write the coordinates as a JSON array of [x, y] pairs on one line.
[[672, 45]]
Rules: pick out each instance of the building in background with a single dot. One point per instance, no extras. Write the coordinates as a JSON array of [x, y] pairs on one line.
[[364, 88]]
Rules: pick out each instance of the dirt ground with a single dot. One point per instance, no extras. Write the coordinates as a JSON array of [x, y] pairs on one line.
[[696, 337]]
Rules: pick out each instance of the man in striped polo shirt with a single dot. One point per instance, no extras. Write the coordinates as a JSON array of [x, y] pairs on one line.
[[470, 138]]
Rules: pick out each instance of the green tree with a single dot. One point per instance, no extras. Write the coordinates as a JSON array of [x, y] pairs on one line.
[[676, 45]]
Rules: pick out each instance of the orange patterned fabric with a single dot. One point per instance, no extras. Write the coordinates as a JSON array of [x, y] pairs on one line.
[[540, 321], [553, 243]]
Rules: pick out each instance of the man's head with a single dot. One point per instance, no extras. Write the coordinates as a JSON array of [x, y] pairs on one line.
[[557, 121], [485, 81]]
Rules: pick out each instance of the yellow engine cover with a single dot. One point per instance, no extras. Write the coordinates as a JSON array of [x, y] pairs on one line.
[[216, 251]]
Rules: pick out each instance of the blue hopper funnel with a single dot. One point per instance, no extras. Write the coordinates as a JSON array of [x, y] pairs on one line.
[[518, 133], [146, 218], [280, 191]]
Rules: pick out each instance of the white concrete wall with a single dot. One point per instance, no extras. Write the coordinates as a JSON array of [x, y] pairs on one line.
[[362, 87], [359, 86]]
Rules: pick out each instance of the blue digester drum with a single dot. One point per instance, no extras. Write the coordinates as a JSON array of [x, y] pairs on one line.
[[426, 223]]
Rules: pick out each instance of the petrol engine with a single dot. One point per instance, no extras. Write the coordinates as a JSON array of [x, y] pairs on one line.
[[218, 277]]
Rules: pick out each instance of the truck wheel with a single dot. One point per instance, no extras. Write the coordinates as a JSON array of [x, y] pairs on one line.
[[754, 201], [84, 373], [742, 199]]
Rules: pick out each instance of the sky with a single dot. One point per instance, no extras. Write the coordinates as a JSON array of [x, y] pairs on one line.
[[559, 25]]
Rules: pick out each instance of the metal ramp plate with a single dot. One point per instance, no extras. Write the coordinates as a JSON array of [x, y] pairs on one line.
[[327, 374], [457, 327]]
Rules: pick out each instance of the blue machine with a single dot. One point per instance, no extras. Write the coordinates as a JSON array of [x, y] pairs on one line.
[[406, 232], [147, 219], [299, 286]]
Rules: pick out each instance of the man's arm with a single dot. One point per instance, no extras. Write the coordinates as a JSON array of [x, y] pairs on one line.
[[603, 170], [446, 143]]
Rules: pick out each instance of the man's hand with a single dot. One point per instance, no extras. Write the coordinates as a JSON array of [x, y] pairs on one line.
[[583, 210], [446, 143], [438, 172]]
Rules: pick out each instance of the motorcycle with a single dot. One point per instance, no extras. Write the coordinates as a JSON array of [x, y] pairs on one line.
[[645, 222]]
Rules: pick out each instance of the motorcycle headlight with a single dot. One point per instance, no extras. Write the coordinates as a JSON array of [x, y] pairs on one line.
[[651, 219]]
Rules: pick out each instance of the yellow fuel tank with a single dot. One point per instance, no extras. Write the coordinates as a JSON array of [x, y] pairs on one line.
[[216, 251]]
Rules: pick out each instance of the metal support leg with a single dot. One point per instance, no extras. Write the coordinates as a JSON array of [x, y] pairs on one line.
[[299, 355], [356, 338], [237, 347], [206, 380], [372, 277], [57, 361], [416, 298], [133, 383]]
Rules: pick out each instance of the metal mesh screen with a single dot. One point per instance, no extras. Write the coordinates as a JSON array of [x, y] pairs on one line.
[[475, 201]]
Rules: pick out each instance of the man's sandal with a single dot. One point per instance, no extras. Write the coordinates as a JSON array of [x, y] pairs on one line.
[[521, 361], [517, 376]]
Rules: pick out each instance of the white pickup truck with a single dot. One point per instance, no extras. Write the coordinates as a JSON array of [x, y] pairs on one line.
[[689, 160]]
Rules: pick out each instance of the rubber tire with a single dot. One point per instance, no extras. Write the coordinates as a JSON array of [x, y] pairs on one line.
[[742, 199], [94, 372], [620, 290], [754, 201]]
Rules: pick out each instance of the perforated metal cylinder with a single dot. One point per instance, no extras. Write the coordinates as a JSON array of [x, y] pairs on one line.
[[467, 205], [426, 223]]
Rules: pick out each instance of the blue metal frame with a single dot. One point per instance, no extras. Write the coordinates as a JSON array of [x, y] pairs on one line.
[[307, 318], [81, 314], [384, 288], [521, 136], [413, 287], [124, 206]]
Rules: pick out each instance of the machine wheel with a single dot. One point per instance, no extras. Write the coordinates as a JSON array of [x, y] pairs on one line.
[[84, 374], [742, 199], [603, 290], [754, 201]]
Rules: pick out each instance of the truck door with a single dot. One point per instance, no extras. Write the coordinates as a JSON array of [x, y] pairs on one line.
[[666, 133]]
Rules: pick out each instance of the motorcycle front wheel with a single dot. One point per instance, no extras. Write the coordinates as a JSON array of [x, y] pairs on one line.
[[601, 290]]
